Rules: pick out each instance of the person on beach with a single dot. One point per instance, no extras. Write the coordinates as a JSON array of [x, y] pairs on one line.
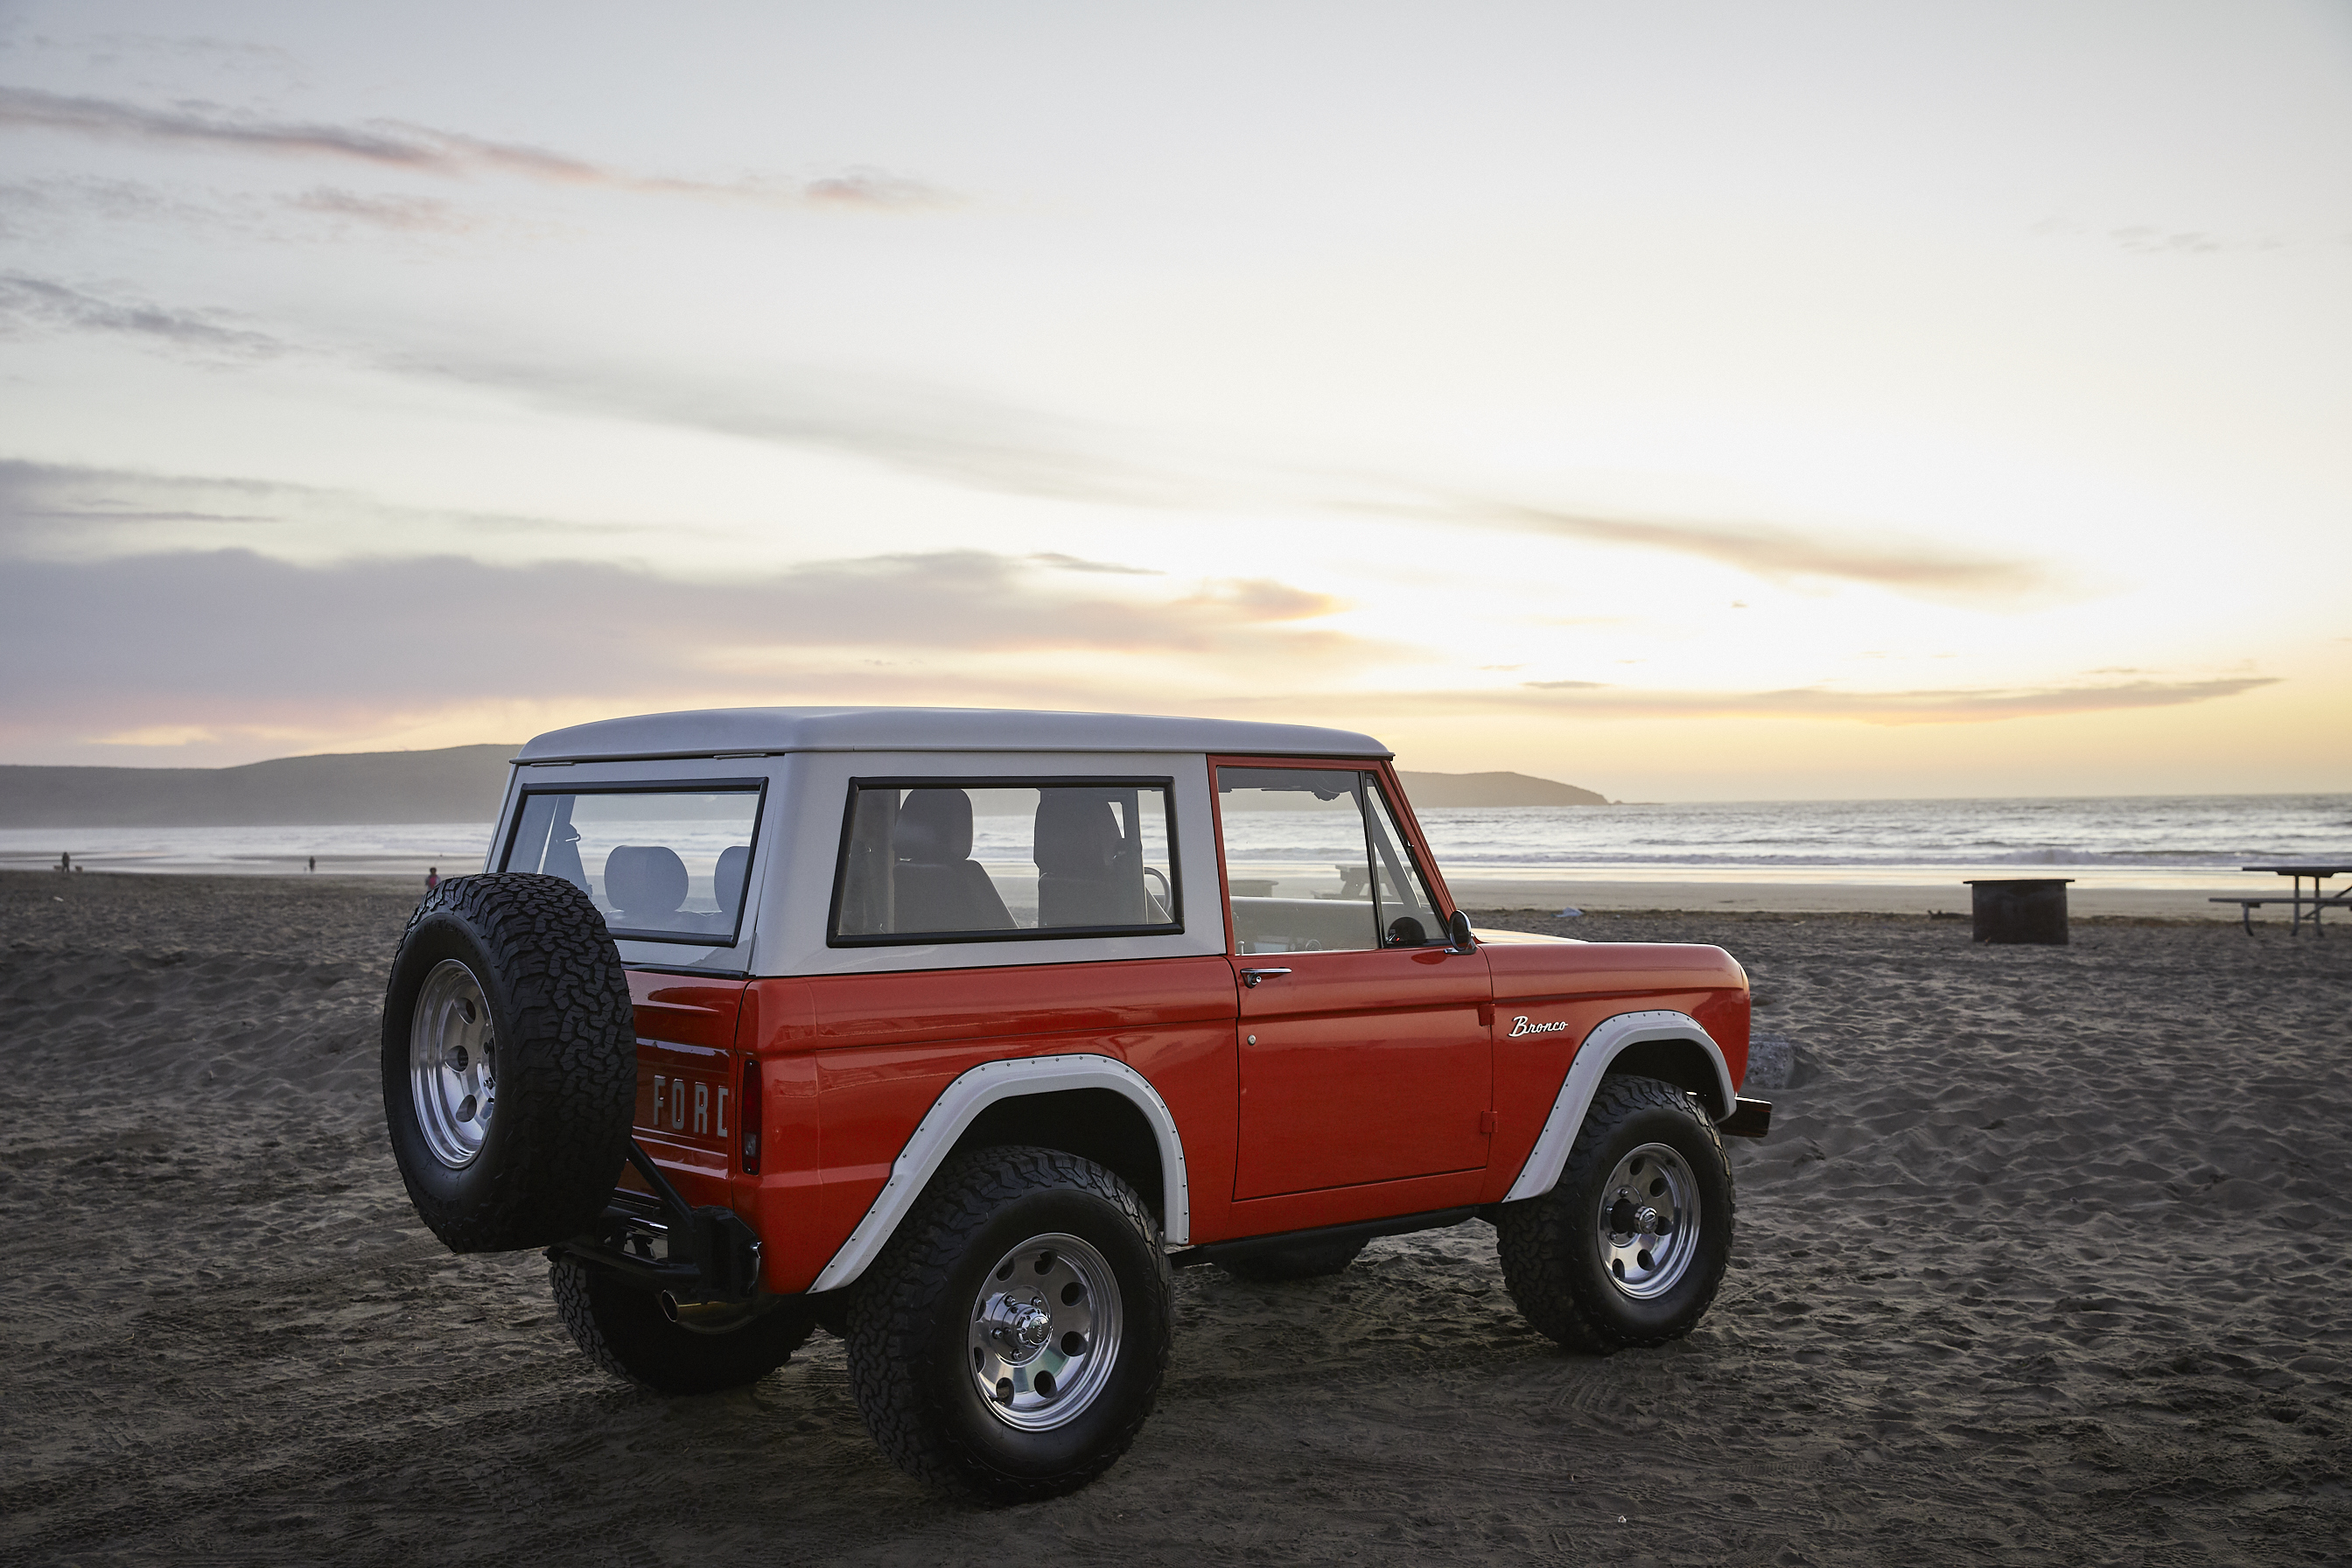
[[432, 878], [314, 865], [65, 860]]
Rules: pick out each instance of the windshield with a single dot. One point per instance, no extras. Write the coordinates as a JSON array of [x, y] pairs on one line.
[[663, 865]]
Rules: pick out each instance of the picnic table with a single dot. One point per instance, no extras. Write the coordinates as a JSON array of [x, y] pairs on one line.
[[2315, 900]]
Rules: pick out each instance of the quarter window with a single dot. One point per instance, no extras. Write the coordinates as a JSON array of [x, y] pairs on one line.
[[1004, 859], [663, 865]]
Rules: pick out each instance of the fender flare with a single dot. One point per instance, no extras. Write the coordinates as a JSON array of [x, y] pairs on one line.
[[1609, 1038], [961, 1102]]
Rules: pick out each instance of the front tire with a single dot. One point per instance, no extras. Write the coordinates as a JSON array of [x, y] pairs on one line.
[[1629, 1247], [1009, 1342], [622, 1328]]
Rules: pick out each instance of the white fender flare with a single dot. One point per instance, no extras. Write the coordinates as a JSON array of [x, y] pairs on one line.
[[962, 1101], [1608, 1040]]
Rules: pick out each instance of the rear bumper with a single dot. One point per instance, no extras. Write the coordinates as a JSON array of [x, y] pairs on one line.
[[660, 1242]]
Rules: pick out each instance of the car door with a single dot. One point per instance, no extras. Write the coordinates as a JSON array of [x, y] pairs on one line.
[[1364, 1053]]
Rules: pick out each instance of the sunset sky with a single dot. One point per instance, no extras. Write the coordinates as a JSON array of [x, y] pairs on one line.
[[1705, 401]]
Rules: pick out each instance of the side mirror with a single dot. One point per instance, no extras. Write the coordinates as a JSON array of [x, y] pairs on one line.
[[1457, 933]]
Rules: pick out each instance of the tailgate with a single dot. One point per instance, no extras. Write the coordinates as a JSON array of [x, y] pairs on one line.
[[689, 1083]]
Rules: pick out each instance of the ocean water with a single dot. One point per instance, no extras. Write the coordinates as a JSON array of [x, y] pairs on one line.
[[2130, 832], [367, 850], [2118, 841], [2133, 841]]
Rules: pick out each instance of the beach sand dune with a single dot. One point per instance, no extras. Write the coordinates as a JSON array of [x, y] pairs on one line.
[[2045, 1261]]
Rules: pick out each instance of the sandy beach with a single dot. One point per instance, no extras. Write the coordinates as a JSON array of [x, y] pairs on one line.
[[2048, 1260]]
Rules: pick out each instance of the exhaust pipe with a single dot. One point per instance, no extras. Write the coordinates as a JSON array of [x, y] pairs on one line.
[[704, 1317]]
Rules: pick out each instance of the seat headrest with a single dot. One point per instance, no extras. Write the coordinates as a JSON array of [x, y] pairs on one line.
[[1077, 836], [727, 876], [934, 827], [645, 881]]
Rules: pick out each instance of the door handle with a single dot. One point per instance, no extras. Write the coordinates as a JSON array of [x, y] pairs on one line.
[[1250, 977]]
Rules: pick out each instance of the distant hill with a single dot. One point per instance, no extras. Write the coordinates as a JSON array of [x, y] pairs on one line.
[[1431, 791], [456, 783]]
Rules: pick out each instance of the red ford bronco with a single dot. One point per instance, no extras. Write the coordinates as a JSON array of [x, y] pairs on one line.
[[953, 1031]]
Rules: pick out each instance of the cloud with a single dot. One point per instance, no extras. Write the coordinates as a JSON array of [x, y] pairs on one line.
[[62, 512], [1914, 567], [1061, 563], [230, 640], [871, 188], [976, 442], [409, 213], [28, 302], [1595, 699], [416, 149], [1258, 599]]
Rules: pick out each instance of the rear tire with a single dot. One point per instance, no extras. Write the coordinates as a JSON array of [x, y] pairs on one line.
[[509, 1061], [1009, 1342], [1631, 1244], [621, 1328]]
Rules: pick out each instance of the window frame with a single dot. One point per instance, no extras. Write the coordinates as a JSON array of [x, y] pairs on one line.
[[1164, 783], [755, 787], [1380, 811], [1411, 842]]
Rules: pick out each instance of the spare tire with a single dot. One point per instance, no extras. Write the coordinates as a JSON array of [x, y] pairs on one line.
[[509, 1061]]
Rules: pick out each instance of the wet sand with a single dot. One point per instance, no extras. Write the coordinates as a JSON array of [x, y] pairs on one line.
[[2045, 1261]]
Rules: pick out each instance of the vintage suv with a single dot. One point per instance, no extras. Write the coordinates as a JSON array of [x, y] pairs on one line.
[[952, 1031]]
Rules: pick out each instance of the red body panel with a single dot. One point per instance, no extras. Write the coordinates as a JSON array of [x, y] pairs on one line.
[[1584, 984], [687, 1080], [1362, 1067], [874, 1051], [1380, 1082]]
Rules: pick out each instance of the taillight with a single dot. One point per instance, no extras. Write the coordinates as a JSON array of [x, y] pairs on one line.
[[750, 1115]]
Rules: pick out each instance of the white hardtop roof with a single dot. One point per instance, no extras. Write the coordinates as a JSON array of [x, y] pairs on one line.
[[753, 732]]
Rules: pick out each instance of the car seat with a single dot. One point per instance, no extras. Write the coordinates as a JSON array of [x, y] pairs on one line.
[[939, 887], [645, 883], [1077, 851]]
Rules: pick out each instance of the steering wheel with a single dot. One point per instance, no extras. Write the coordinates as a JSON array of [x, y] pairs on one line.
[[1167, 894]]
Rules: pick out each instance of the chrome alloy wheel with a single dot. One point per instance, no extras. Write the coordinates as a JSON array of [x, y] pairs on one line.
[[1045, 1332], [453, 1063], [1647, 1230]]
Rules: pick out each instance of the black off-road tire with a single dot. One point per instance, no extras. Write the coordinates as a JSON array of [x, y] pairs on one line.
[[912, 1315], [622, 1328], [1552, 1247], [1300, 1260], [564, 1043]]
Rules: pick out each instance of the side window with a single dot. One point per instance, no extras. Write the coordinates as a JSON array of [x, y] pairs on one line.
[[1295, 859], [663, 865], [1314, 863], [1005, 859]]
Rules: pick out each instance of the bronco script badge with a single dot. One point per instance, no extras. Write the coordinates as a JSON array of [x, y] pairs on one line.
[[1519, 1025]]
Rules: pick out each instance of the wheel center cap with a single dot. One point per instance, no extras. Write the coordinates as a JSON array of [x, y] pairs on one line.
[[1032, 1323], [1022, 1328]]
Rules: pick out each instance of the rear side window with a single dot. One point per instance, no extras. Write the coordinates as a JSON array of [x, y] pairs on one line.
[[662, 864], [1005, 859]]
